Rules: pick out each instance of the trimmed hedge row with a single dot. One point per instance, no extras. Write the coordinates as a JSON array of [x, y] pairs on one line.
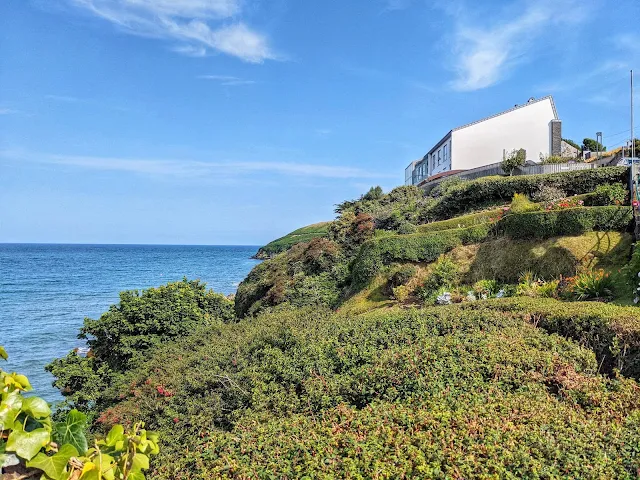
[[610, 331], [571, 221], [418, 247], [463, 197], [433, 393], [463, 221]]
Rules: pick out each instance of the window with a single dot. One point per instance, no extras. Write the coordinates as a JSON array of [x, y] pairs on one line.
[[444, 154], [439, 156]]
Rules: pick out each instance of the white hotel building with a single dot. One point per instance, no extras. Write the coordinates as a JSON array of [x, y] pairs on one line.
[[533, 126]]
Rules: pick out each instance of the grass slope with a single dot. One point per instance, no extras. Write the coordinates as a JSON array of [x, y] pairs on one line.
[[304, 234]]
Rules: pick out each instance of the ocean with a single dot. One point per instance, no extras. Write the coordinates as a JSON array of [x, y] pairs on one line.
[[46, 291]]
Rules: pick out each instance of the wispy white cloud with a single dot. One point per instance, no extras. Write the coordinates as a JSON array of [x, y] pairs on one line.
[[323, 132], [191, 50], [486, 54], [199, 25], [189, 168], [227, 80], [63, 98], [9, 111], [394, 5]]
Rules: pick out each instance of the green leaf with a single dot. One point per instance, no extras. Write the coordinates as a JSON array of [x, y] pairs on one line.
[[36, 407], [140, 462], [136, 476], [115, 435], [72, 430], [54, 466], [10, 408], [3, 354], [27, 444], [22, 380]]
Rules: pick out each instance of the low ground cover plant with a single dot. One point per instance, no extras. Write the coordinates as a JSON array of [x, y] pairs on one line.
[[293, 392]]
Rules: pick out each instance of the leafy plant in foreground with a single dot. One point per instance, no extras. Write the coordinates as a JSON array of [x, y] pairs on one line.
[[33, 446]]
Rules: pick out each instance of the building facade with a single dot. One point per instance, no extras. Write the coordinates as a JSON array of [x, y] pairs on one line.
[[534, 127]]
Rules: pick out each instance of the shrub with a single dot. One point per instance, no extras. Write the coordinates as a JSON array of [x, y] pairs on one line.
[[351, 230], [121, 336], [310, 393], [468, 195], [612, 332], [402, 275], [446, 186], [486, 288], [401, 293], [548, 193], [593, 285], [378, 252], [443, 274], [522, 204], [572, 221], [549, 289], [406, 228], [609, 194]]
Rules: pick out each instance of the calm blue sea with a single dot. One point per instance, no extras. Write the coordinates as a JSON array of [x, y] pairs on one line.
[[47, 290]]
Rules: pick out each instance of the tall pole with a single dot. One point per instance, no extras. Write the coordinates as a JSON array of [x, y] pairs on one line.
[[633, 138]]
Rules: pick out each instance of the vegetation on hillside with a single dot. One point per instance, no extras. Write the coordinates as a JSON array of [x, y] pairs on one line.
[[301, 235], [420, 336]]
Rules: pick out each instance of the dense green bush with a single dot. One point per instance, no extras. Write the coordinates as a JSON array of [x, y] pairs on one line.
[[612, 332], [308, 273], [446, 392], [402, 275], [121, 336], [420, 247], [571, 221], [468, 195], [609, 194]]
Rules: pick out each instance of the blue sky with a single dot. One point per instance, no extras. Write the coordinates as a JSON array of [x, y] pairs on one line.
[[236, 121]]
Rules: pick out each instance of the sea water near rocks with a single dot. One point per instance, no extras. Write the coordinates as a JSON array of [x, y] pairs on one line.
[[46, 291]]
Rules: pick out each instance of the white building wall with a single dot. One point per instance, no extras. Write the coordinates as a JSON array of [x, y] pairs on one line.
[[482, 143]]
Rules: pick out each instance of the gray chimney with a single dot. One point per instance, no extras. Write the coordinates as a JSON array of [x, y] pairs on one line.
[[556, 137]]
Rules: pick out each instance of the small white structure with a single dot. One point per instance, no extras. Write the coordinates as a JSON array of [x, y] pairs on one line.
[[533, 126]]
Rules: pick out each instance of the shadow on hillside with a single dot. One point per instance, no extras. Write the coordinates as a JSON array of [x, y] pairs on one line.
[[505, 260]]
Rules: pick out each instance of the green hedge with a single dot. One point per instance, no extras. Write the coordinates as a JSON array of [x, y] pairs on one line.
[[469, 194], [571, 221], [419, 247], [460, 222], [611, 331], [443, 393]]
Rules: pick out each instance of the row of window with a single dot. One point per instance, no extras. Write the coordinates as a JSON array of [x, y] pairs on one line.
[[440, 157]]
